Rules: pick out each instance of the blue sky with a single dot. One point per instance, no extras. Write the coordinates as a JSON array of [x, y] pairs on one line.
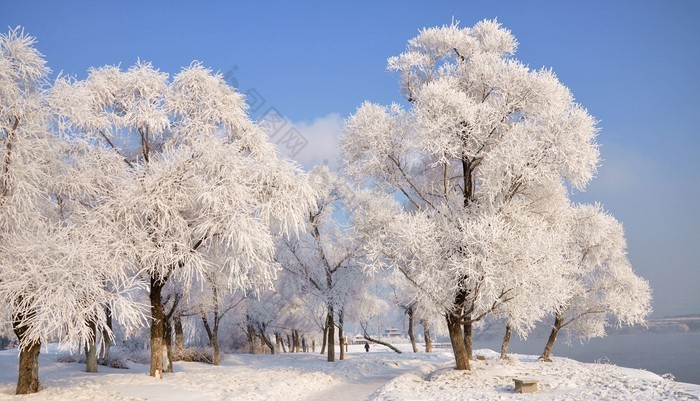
[[633, 64]]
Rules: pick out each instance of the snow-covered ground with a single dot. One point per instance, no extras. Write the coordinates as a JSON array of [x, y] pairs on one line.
[[378, 375]]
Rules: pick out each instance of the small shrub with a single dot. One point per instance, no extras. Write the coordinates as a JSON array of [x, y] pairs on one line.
[[114, 360], [69, 358], [602, 361], [195, 354], [141, 357]]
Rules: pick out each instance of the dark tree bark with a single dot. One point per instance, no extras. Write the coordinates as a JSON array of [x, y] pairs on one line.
[[279, 342], [462, 347], [468, 338], [411, 335], [331, 334], [297, 341], [28, 373], [325, 339], [460, 351], [91, 349], [547, 354], [207, 328], [506, 342], [426, 334], [106, 342], [263, 337], [168, 330], [167, 343], [250, 335], [179, 333], [158, 318], [340, 335], [28, 379], [216, 358]]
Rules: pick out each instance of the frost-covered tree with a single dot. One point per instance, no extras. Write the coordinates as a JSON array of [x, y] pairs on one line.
[[602, 282], [55, 271], [212, 303], [263, 320], [195, 176], [403, 295], [25, 145], [323, 258], [484, 158], [289, 311]]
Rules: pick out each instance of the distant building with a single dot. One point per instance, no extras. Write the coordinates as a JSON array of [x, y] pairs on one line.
[[358, 339], [392, 332]]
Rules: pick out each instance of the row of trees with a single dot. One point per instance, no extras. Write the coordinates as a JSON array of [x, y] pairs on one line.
[[133, 182]]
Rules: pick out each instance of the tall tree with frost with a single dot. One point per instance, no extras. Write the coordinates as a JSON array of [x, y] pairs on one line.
[[324, 257], [403, 296], [196, 176], [485, 156], [54, 271], [25, 145], [603, 284]]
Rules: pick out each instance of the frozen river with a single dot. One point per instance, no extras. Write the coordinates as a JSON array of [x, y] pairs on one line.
[[675, 353]]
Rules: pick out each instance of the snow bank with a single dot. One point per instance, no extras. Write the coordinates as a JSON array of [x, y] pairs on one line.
[[377, 375], [563, 379]]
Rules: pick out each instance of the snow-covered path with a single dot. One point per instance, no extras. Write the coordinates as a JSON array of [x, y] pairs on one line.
[[354, 390]]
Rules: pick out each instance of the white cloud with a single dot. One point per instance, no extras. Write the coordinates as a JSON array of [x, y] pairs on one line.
[[309, 144]]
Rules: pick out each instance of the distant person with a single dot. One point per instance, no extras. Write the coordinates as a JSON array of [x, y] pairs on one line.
[[366, 346]]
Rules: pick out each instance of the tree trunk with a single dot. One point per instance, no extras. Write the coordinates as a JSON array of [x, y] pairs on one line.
[[179, 333], [216, 357], [28, 373], [91, 349], [340, 335], [313, 346], [280, 342], [106, 342], [297, 341], [411, 335], [426, 334], [158, 317], [506, 342], [167, 343], [547, 354], [304, 345], [207, 328], [380, 342], [457, 340], [331, 334], [468, 338], [263, 337], [325, 340], [250, 336], [28, 378]]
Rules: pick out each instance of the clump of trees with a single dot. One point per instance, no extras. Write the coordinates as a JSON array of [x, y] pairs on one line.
[[134, 198]]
